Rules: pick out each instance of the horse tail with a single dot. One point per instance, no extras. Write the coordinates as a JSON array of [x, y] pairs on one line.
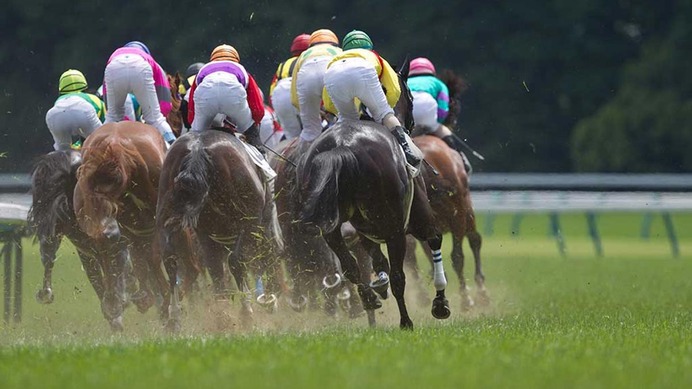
[[53, 179], [191, 186], [319, 182]]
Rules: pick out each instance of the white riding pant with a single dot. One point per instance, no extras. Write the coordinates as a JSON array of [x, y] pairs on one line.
[[352, 78], [268, 136], [71, 116], [221, 93], [310, 82], [286, 112], [425, 110], [130, 73]]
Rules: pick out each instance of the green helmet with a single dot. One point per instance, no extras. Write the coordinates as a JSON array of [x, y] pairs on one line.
[[356, 40], [72, 81]]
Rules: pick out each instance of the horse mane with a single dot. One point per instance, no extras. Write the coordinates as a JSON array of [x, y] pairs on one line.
[[103, 178], [53, 178], [457, 85]]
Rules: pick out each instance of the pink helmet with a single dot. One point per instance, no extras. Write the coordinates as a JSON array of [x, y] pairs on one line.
[[421, 65], [300, 44]]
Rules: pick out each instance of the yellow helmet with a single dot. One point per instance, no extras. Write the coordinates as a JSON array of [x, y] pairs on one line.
[[72, 81], [323, 36], [225, 53]]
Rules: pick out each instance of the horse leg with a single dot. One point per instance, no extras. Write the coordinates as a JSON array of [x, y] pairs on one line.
[[214, 255], [411, 267], [350, 267], [171, 303], [475, 241], [380, 265], [49, 247], [396, 248], [113, 301], [458, 265], [140, 254], [239, 272], [93, 271]]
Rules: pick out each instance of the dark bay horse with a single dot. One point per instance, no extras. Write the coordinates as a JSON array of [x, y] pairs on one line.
[[52, 217], [115, 203], [210, 185], [356, 172], [450, 198], [310, 263]]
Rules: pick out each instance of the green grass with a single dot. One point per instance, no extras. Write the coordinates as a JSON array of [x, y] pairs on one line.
[[623, 320]]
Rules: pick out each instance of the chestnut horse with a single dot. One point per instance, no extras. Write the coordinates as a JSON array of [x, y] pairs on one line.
[[210, 185], [115, 203], [355, 171], [450, 199], [52, 217]]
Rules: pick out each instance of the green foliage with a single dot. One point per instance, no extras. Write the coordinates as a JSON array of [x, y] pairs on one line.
[[535, 69]]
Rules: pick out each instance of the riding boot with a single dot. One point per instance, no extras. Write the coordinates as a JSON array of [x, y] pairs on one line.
[[399, 134], [252, 137], [455, 145]]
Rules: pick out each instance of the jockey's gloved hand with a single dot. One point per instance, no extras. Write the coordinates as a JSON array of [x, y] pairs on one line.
[[252, 136], [169, 137]]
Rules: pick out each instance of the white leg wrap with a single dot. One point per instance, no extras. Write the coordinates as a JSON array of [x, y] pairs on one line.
[[439, 279]]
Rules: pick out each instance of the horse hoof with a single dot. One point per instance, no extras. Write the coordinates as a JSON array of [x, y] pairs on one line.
[[381, 284], [372, 304], [173, 326], [467, 303], [142, 300], [345, 294], [334, 284], [117, 324], [298, 306], [406, 324], [440, 309], [45, 296], [483, 298], [269, 302]]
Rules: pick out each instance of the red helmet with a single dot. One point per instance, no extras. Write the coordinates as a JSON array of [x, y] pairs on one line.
[[300, 43], [421, 65]]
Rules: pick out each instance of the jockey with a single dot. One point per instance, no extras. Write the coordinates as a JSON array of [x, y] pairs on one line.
[[190, 75], [280, 89], [132, 109], [223, 86], [132, 69], [308, 81], [431, 103], [74, 112], [359, 72]]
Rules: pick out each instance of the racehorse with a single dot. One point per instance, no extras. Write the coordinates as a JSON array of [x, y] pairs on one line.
[[175, 116], [355, 171], [52, 217], [115, 203], [450, 199], [210, 185], [310, 262]]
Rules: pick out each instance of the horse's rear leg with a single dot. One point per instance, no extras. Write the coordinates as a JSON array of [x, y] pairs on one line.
[[93, 271], [49, 247], [380, 265], [171, 308], [458, 265], [151, 284], [411, 267], [239, 271], [396, 248], [475, 241], [351, 270]]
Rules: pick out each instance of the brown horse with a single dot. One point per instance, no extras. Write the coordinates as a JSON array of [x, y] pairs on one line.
[[210, 185], [115, 203], [175, 116], [52, 217], [450, 199]]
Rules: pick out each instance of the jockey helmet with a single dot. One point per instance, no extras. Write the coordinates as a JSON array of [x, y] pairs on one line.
[[193, 69], [357, 40], [300, 43], [323, 36], [138, 45], [72, 81], [420, 66], [225, 53]]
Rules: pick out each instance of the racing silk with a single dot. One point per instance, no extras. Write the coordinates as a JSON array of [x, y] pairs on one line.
[[285, 70], [320, 50], [161, 85], [434, 87], [254, 95], [95, 102], [388, 77]]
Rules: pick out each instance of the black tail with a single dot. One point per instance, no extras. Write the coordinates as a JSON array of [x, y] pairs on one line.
[[319, 183], [191, 186], [53, 179]]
